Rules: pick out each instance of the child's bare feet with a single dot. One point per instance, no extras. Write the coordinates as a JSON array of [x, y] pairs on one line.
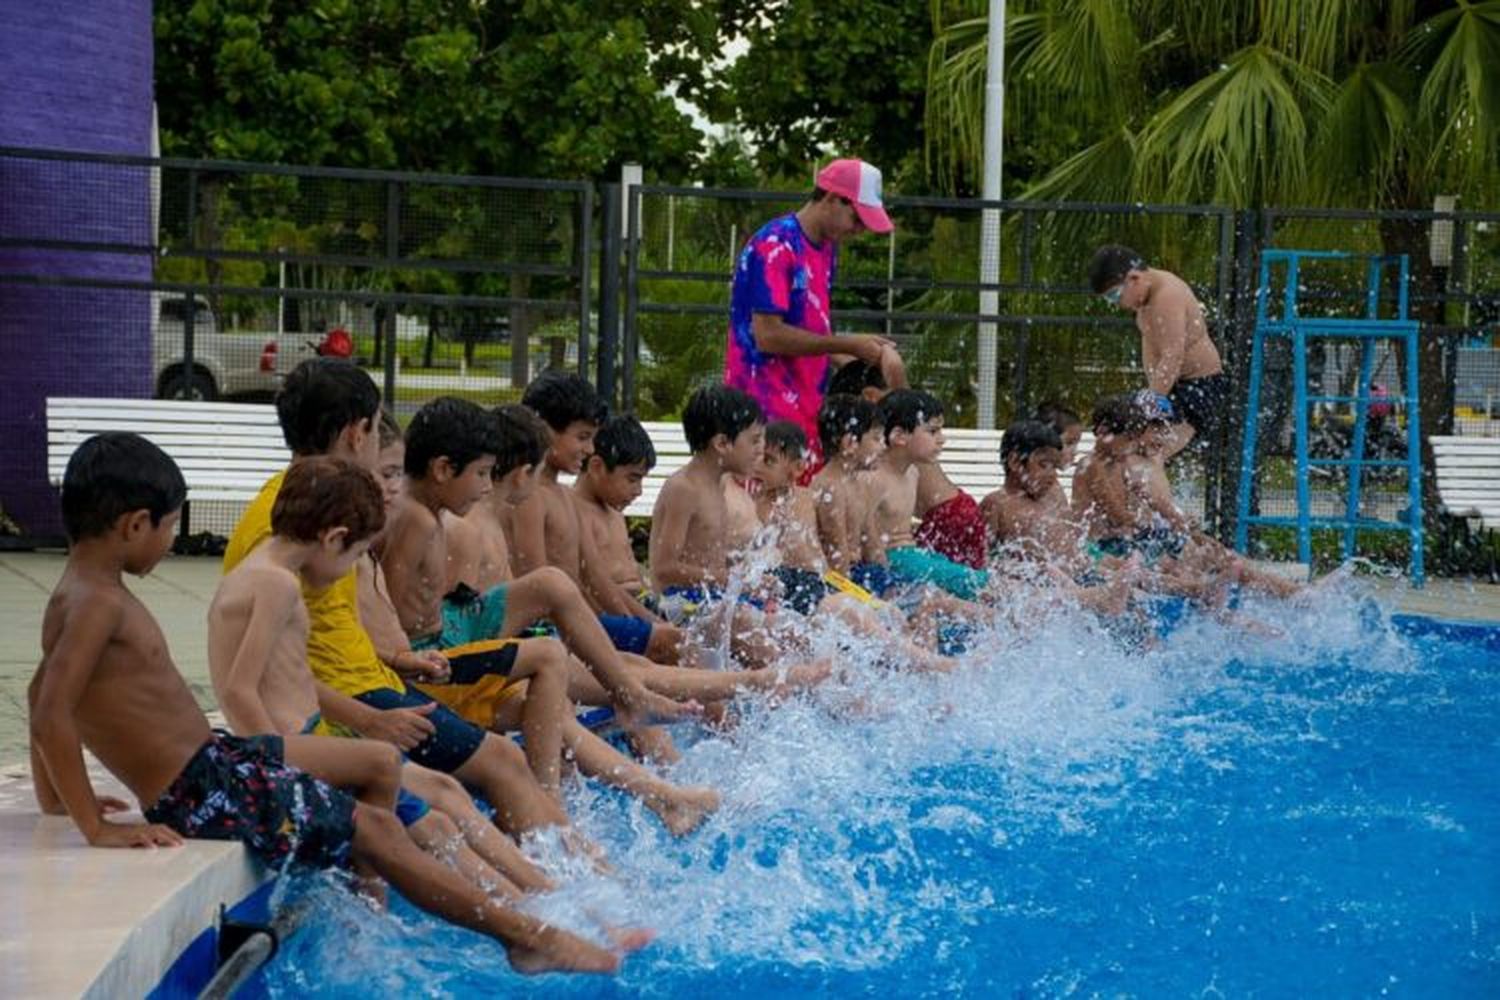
[[642, 708], [556, 950], [653, 743], [685, 809]]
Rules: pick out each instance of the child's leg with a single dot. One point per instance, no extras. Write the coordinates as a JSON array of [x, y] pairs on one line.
[[699, 685], [439, 836], [532, 945], [681, 810], [543, 664], [863, 621], [549, 593], [371, 769], [444, 794], [501, 773], [665, 645]]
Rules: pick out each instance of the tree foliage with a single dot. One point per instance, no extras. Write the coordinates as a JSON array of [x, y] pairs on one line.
[[558, 89]]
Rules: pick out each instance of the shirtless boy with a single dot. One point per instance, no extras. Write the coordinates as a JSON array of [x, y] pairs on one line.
[[852, 441], [913, 437], [451, 452], [478, 550], [106, 681], [324, 518], [789, 516], [689, 555], [544, 530], [1029, 513], [1182, 364]]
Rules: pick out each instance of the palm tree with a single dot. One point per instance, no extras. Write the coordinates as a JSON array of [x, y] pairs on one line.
[[1347, 103]]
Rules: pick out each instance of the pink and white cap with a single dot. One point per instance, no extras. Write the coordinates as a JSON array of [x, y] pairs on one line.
[[860, 183]]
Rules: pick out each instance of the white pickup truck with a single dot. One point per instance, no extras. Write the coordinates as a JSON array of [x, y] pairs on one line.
[[224, 364]]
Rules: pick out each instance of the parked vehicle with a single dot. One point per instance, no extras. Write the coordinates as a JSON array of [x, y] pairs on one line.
[[224, 364]]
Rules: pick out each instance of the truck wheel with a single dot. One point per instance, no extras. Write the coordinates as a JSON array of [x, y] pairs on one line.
[[197, 384]]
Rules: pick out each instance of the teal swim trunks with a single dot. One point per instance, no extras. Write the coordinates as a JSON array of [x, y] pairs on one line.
[[916, 565], [468, 616]]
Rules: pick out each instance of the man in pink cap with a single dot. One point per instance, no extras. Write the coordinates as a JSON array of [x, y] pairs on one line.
[[780, 334]]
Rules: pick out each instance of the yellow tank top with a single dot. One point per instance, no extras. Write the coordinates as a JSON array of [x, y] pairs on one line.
[[339, 649]]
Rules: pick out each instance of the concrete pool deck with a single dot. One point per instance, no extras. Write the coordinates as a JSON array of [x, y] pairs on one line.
[[106, 923]]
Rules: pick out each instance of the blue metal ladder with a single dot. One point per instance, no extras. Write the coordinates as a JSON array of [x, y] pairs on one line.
[[1368, 330]]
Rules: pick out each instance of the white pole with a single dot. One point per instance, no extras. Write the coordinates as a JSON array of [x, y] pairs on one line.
[[989, 236]]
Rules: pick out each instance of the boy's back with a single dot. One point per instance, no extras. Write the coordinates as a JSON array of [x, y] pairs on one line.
[[688, 523], [478, 553], [415, 560]]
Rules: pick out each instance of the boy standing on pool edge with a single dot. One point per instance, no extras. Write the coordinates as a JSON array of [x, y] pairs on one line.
[[1182, 364]]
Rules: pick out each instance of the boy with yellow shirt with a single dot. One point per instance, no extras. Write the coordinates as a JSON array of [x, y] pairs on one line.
[[329, 407]]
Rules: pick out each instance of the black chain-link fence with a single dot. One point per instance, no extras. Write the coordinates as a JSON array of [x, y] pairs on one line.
[[136, 277]]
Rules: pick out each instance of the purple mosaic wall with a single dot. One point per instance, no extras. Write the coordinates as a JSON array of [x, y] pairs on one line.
[[77, 76]]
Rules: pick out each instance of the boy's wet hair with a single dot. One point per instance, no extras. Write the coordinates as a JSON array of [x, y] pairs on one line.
[[623, 441], [560, 398], [1118, 414], [843, 414], [118, 473], [451, 428], [787, 437], [521, 437], [323, 492], [1026, 436], [854, 378], [718, 409], [908, 409], [319, 399], [1110, 265], [389, 430], [1058, 415]]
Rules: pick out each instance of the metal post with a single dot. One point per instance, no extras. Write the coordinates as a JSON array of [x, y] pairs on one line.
[[1357, 453], [1413, 449], [609, 291], [989, 238], [632, 293], [585, 300], [392, 254], [1299, 396], [890, 277]]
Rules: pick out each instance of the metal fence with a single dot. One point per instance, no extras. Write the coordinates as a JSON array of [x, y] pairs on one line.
[[136, 276]]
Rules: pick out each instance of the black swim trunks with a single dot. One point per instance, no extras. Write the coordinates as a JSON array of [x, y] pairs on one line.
[[1202, 402], [241, 788], [802, 590], [1151, 543], [454, 739]]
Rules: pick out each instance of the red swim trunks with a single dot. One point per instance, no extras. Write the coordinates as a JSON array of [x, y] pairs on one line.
[[956, 528]]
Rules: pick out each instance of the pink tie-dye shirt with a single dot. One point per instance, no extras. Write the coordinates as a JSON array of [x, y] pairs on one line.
[[781, 271]]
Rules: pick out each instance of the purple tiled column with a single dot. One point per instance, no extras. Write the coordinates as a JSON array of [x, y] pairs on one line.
[[74, 76]]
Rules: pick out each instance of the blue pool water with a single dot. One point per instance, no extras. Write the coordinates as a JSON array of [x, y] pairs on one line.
[[1227, 814]]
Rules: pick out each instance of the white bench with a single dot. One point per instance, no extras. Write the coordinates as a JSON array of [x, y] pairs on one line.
[[226, 451], [1468, 478]]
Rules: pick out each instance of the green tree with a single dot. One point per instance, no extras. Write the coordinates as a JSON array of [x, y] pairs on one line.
[[834, 76], [1282, 102]]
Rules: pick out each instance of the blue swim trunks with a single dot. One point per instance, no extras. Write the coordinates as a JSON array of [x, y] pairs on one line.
[[468, 616], [915, 565], [409, 807], [629, 634], [873, 577], [241, 788], [680, 604]]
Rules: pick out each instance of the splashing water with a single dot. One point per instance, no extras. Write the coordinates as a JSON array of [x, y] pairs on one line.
[[1219, 813]]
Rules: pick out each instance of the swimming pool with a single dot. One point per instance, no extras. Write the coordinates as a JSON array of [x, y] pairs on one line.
[[1223, 815]]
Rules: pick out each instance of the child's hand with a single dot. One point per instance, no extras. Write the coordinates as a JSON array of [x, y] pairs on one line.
[[426, 665], [405, 727], [135, 835], [432, 665]]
